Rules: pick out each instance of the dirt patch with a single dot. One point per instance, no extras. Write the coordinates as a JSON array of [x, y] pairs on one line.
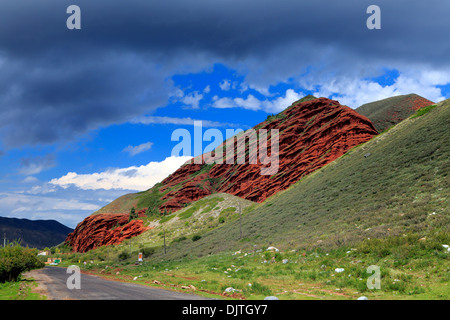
[[41, 280]]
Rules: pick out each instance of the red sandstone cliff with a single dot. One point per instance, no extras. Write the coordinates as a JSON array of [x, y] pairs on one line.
[[104, 229], [311, 134]]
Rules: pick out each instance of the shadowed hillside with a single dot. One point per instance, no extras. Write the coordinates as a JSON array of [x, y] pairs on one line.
[[388, 112]]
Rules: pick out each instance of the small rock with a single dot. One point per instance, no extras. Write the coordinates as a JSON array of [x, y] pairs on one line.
[[156, 282], [285, 261], [271, 298], [135, 278], [339, 270], [230, 289], [363, 298]]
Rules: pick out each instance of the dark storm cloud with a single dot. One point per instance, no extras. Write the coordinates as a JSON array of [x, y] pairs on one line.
[[56, 83]]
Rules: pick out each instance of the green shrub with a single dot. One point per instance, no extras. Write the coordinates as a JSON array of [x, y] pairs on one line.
[[124, 255], [196, 237], [147, 252], [15, 259], [423, 110], [257, 288], [179, 239]]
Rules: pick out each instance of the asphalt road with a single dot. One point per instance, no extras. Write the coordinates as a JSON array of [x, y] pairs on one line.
[[52, 282]]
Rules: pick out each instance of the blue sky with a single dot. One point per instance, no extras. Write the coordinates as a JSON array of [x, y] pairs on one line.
[[87, 115]]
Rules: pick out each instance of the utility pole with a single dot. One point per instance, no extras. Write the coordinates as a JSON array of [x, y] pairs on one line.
[[240, 220], [4, 240], [164, 240]]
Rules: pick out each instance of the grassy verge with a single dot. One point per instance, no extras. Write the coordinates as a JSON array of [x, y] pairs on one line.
[[19, 290], [410, 268]]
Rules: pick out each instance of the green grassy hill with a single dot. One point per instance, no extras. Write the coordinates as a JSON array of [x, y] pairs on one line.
[[195, 220], [397, 183]]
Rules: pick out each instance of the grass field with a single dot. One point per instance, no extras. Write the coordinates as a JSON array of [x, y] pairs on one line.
[[410, 269], [19, 290]]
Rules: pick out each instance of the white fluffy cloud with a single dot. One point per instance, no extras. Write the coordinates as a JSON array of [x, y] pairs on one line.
[[192, 100], [66, 211], [252, 103], [25, 202], [225, 85], [181, 121], [138, 149], [281, 103], [132, 178], [355, 92]]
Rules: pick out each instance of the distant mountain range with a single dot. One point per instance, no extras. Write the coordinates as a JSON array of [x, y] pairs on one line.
[[33, 233]]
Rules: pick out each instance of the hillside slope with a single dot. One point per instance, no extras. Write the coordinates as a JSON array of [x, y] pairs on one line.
[[397, 183], [312, 133], [388, 112], [34, 233]]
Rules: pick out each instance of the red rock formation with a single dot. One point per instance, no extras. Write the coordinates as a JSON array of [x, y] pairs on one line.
[[104, 229], [311, 134]]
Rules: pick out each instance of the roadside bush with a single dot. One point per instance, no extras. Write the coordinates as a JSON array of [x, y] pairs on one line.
[[196, 237], [15, 259]]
